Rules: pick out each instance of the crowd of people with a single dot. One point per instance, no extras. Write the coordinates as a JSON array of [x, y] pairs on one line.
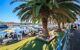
[[11, 37], [75, 26]]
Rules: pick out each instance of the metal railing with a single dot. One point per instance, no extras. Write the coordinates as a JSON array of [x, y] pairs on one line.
[[63, 41]]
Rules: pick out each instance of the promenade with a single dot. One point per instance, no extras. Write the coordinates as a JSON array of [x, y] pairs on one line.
[[72, 40]]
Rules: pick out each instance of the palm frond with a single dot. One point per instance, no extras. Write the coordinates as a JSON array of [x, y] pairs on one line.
[[13, 1]]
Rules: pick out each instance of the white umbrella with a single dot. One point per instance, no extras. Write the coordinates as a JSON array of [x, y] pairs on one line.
[[17, 29]]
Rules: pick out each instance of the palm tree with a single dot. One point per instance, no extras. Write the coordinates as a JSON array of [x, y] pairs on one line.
[[37, 10], [41, 10], [63, 19], [65, 11]]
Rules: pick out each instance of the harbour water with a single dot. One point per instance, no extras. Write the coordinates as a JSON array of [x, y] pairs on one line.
[[2, 29]]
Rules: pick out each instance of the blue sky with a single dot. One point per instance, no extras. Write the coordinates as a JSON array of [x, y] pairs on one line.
[[6, 13]]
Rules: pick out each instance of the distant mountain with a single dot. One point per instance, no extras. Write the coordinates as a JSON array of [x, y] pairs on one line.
[[7, 22]]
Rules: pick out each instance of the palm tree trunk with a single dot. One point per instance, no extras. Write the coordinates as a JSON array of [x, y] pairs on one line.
[[63, 25], [59, 28], [44, 23]]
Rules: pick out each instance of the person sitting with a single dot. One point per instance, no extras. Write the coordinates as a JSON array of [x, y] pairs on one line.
[[75, 27], [15, 36], [6, 36], [71, 26], [1, 40]]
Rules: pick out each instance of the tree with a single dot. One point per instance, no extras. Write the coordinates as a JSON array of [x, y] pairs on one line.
[[37, 10], [65, 11], [62, 20], [41, 10]]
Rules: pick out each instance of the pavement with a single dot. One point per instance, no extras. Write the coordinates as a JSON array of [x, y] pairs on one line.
[[72, 40]]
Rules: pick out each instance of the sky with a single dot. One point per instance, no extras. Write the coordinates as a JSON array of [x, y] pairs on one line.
[[6, 14]]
